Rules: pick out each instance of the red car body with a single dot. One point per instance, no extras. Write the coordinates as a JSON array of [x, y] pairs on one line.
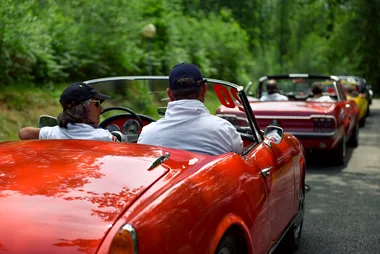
[[78, 196], [325, 126]]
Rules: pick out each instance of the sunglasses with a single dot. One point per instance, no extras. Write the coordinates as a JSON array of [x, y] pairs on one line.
[[97, 103]]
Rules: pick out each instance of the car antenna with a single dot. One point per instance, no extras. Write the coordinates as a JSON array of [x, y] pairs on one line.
[[159, 160]]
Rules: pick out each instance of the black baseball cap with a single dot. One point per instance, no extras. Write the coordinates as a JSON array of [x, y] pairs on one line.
[[77, 93], [185, 70]]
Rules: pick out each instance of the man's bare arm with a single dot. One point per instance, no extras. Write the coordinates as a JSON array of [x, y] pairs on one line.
[[29, 133]]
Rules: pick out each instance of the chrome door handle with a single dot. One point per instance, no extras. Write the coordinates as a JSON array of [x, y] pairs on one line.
[[266, 171]]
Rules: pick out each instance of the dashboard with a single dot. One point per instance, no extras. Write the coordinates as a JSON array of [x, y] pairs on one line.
[[126, 123]]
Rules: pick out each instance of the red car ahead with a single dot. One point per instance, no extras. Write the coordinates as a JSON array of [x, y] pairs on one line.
[[77, 196], [322, 126]]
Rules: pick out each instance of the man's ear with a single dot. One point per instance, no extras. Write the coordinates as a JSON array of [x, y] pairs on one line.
[[169, 92]]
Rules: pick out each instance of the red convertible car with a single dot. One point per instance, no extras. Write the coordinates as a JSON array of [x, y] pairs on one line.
[[78, 196], [320, 126]]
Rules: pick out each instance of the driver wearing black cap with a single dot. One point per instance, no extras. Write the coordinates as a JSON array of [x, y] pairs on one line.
[[188, 124], [79, 119]]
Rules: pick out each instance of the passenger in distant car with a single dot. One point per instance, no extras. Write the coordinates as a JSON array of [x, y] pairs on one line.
[[273, 92], [318, 96]]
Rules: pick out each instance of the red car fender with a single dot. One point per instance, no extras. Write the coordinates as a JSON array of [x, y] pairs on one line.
[[357, 111], [225, 223], [346, 124]]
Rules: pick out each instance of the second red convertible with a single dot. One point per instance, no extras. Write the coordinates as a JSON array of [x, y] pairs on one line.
[[80, 196], [323, 126]]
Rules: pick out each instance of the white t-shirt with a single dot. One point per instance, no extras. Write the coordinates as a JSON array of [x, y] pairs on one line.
[[324, 98], [76, 131], [188, 125], [274, 97]]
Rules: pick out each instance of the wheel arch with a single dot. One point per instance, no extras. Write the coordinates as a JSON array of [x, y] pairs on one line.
[[234, 226]]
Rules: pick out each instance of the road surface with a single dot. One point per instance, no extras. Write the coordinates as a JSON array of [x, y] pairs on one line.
[[343, 207]]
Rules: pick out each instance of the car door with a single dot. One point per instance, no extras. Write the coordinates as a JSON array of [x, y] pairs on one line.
[[275, 163], [263, 158], [281, 203]]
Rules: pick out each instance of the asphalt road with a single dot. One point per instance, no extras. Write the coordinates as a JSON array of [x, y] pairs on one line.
[[343, 207]]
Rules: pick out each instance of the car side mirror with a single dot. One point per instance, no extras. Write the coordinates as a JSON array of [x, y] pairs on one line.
[[161, 111], [273, 134], [45, 120]]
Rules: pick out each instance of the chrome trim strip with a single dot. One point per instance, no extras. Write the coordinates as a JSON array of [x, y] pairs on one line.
[[159, 160], [217, 81], [313, 134], [337, 90], [295, 117], [125, 78], [132, 231], [295, 75], [263, 78], [268, 143], [266, 171]]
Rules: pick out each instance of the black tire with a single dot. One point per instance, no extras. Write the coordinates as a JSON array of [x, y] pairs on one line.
[[338, 154], [292, 238], [227, 245], [353, 141], [368, 111], [362, 121]]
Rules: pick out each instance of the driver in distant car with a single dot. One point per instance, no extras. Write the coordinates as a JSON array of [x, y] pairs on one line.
[[79, 119], [188, 124], [273, 92], [317, 90]]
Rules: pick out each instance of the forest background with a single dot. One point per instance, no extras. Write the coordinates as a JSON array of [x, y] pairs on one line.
[[46, 44]]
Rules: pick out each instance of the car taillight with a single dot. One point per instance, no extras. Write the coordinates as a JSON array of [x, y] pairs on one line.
[[125, 241], [322, 124]]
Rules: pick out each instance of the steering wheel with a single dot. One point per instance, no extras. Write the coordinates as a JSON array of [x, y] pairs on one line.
[[102, 124]]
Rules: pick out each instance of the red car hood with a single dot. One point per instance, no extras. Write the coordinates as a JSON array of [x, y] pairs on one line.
[[291, 108], [61, 196]]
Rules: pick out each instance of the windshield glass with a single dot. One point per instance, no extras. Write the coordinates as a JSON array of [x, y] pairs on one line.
[[148, 96], [145, 96], [299, 88]]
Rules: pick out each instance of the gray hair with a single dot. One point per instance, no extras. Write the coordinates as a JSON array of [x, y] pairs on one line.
[[187, 93], [77, 114]]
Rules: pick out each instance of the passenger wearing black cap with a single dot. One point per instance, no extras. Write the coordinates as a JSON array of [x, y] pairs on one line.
[[188, 125], [79, 119]]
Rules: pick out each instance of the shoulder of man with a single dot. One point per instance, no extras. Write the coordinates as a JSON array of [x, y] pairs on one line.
[[228, 126], [285, 97]]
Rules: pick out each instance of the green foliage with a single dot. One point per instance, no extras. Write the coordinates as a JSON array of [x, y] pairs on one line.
[[22, 104], [62, 41], [312, 57], [59, 41]]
